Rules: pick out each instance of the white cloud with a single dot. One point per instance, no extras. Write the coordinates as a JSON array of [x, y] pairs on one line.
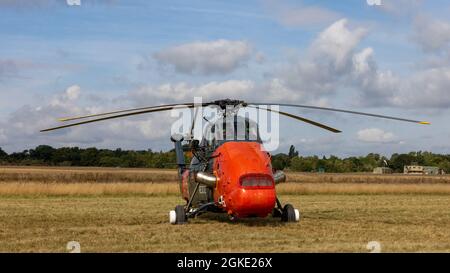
[[7, 68], [21, 128], [29, 4], [184, 92], [11, 68], [337, 42], [73, 92], [375, 135], [400, 7], [424, 88], [430, 34], [3, 137], [213, 57], [317, 74], [26, 3], [301, 15]]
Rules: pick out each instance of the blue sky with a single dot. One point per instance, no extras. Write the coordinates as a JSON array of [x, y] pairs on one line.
[[394, 59]]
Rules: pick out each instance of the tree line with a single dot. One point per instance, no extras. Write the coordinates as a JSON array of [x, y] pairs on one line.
[[44, 155]]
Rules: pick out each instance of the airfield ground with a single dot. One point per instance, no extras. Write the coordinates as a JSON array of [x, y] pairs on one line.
[[42, 209]]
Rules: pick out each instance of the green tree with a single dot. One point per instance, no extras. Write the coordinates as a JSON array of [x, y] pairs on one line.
[[89, 157], [42, 152], [292, 152], [3, 154], [110, 161]]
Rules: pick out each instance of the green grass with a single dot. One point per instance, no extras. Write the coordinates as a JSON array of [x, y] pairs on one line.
[[127, 223]]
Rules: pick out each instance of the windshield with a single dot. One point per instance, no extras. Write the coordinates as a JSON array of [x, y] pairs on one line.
[[234, 128]]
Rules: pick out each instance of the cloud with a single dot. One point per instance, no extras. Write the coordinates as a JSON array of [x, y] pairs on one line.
[[26, 3], [308, 79], [33, 4], [375, 135], [423, 88], [205, 58], [326, 63], [301, 16], [400, 7], [184, 92], [8, 68], [333, 62], [432, 35], [21, 128], [12, 68], [73, 92], [3, 137], [337, 42]]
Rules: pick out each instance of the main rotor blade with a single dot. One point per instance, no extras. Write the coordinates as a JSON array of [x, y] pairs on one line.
[[323, 126], [117, 116], [122, 111], [342, 111]]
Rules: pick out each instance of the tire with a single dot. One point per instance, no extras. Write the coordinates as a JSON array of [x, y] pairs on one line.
[[180, 215], [290, 214]]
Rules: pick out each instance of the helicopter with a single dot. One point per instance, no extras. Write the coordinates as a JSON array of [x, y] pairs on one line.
[[227, 174]]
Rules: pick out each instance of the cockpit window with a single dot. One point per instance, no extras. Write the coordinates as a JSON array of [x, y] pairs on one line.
[[235, 128]]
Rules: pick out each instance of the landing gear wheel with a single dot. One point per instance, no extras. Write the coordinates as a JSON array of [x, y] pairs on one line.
[[290, 214], [178, 216], [232, 218]]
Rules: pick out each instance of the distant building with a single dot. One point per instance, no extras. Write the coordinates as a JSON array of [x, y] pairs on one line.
[[426, 170], [431, 170], [382, 170]]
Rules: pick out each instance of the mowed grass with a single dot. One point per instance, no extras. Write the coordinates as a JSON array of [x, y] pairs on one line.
[[126, 210], [137, 223]]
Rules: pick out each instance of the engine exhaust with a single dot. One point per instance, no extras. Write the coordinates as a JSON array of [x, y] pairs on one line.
[[206, 179], [279, 177]]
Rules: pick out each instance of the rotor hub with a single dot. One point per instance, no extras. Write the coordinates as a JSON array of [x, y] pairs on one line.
[[228, 102]]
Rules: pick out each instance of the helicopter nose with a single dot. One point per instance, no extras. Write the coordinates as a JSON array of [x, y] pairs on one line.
[[244, 202]]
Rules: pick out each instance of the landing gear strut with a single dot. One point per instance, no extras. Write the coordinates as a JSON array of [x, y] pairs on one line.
[[180, 216]]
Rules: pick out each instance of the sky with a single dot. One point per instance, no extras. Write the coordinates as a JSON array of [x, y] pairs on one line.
[[58, 59]]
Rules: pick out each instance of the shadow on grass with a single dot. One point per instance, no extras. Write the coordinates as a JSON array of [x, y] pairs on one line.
[[223, 218]]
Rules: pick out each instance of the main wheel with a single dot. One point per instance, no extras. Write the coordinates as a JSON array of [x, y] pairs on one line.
[[178, 216], [290, 214]]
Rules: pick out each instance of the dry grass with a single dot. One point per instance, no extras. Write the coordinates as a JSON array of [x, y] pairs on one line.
[[164, 189], [366, 178], [84, 175], [114, 175], [351, 188], [123, 210], [331, 223], [33, 188]]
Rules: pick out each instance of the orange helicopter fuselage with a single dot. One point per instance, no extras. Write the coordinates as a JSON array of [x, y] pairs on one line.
[[245, 185]]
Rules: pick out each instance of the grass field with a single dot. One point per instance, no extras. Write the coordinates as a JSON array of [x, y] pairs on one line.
[[331, 223], [42, 215]]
